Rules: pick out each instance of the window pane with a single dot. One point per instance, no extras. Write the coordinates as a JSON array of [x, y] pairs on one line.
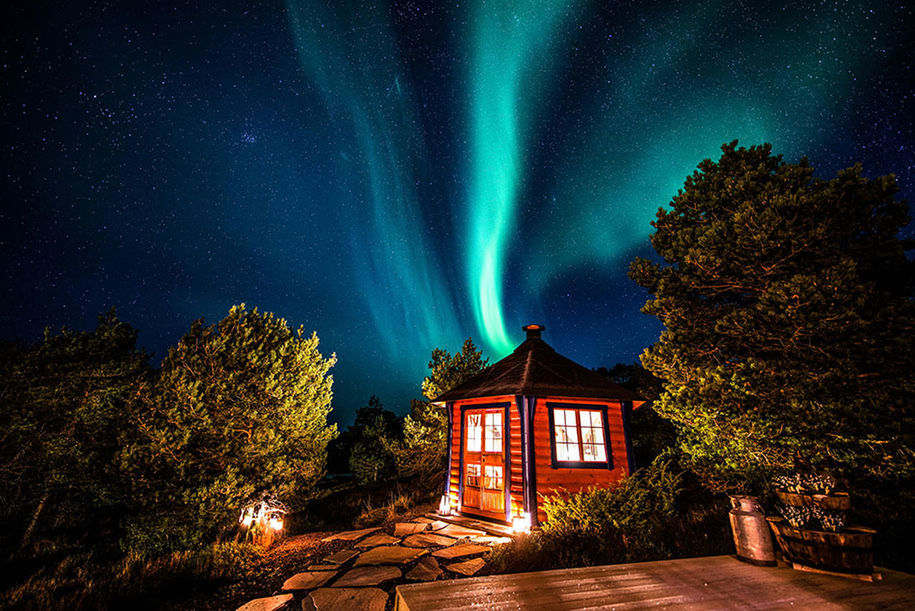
[[474, 433], [493, 478], [493, 434], [473, 475], [592, 434]]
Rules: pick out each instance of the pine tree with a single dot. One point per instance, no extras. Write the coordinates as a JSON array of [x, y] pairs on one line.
[[63, 422], [240, 408], [425, 428], [789, 321]]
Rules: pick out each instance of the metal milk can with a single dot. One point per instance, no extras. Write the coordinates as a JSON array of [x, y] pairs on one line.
[[751, 531]]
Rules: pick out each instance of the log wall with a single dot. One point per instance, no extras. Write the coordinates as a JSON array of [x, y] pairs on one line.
[[552, 481]]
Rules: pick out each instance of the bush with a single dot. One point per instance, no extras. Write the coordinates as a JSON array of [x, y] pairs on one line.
[[637, 510], [655, 514]]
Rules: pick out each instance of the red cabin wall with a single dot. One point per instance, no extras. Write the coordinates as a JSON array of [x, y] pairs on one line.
[[550, 481]]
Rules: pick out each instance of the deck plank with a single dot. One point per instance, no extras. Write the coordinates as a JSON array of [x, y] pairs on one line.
[[692, 583]]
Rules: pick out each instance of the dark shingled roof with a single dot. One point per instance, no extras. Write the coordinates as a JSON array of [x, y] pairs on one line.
[[535, 369]]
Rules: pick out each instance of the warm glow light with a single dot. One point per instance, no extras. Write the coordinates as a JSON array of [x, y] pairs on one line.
[[247, 518], [522, 523], [276, 524], [444, 506]]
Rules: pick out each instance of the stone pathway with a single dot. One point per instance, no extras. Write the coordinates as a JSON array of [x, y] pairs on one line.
[[376, 540], [368, 576], [428, 540], [308, 580], [392, 554], [363, 574], [468, 567]]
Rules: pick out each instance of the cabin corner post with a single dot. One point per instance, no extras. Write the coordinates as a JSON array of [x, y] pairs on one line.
[[626, 409], [530, 473], [507, 462], [449, 408]]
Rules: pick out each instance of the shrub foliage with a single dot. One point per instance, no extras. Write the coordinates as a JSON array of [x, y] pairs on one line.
[[655, 514], [62, 425]]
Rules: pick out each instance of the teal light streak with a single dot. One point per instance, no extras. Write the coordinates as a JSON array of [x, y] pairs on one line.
[[348, 52], [672, 101], [510, 60]]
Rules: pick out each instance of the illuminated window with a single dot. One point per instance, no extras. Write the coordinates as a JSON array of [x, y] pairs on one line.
[[473, 475], [474, 433], [566, 432], [492, 479], [493, 432], [579, 436], [593, 448]]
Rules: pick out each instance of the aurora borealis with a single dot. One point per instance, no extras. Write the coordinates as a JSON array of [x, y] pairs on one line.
[[399, 176]]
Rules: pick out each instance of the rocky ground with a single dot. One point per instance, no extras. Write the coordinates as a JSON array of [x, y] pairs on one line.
[[357, 569]]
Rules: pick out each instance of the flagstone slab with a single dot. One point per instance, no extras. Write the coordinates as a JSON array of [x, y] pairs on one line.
[[408, 528], [393, 554], [453, 530], [322, 567], [437, 525], [428, 540], [424, 520], [271, 603], [341, 556], [367, 576], [468, 567], [490, 540], [427, 569], [457, 551], [308, 580], [349, 535], [346, 599], [376, 540]]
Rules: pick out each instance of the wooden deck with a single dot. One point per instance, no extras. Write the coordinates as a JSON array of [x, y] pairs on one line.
[[713, 582]]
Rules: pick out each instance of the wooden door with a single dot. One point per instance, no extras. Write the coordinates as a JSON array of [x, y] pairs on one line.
[[484, 462]]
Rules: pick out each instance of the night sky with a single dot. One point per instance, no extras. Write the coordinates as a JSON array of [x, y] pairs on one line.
[[400, 177]]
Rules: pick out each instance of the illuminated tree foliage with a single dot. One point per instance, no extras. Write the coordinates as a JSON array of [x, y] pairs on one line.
[[789, 321], [239, 408], [61, 426], [425, 428]]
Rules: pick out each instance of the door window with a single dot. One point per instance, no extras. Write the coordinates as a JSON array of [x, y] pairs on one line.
[[474, 432], [493, 432]]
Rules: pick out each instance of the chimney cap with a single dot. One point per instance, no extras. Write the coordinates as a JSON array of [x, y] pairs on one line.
[[533, 331]]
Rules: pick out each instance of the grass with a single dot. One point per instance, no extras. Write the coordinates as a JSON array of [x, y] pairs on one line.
[[83, 581]]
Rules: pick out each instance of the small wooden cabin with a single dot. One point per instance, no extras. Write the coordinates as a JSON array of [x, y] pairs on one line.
[[534, 423]]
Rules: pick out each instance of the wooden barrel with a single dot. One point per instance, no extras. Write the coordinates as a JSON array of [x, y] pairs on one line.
[[839, 501], [850, 551]]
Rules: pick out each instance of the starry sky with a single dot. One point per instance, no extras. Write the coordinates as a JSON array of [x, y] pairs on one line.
[[400, 176]]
